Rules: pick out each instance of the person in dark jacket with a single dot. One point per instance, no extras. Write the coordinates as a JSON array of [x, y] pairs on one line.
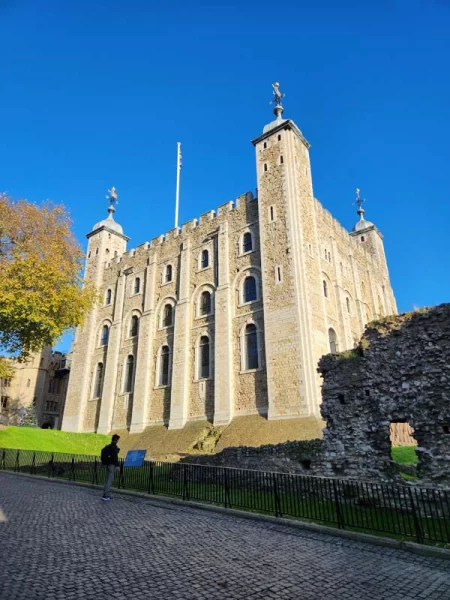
[[110, 458]]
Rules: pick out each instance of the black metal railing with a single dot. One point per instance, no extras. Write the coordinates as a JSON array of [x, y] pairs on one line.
[[405, 511]]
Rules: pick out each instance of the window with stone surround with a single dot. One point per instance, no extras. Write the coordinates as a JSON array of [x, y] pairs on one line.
[[134, 326], [332, 338], [347, 302], [205, 303], [98, 385], [137, 285], [204, 358], [105, 336], [164, 366], [250, 289], [4, 402], [129, 374], [204, 260], [325, 288], [168, 315], [168, 275], [108, 297], [251, 353], [247, 242]]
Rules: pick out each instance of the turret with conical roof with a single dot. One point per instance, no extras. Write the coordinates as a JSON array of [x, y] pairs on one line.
[[106, 241], [362, 224]]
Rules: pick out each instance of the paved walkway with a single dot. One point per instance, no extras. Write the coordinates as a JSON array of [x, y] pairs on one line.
[[63, 542]]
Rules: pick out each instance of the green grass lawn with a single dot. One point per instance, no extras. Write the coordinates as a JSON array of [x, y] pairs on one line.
[[404, 455], [52, 440]]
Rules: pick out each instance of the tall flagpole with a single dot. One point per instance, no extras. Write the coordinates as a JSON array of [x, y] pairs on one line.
[[177, 196]]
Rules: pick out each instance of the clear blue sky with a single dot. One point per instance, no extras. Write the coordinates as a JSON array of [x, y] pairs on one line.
[[96, 94]]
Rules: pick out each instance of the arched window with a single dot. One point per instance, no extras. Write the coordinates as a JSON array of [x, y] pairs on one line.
[[168, 315], [247, 242], [168, 277], [251, 347], [203, 363], [105, 335], [129, 372], [205, 259], [347, 301], [108, 297], [164, 366], [137, 285], [363, 291], [205, 303], [98, 386], [325, 288], [250, 289], [134, 326], [333, 341]]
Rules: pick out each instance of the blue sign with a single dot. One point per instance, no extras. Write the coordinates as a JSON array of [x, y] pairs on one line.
[[134, 458]]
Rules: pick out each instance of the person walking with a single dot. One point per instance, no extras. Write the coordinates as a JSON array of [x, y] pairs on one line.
[[110, 459]]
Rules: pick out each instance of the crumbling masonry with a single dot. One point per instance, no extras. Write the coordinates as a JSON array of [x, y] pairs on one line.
[[400, 372]]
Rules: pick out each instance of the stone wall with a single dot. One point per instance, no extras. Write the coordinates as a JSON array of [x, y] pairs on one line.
[[298, 457], [400, 372]]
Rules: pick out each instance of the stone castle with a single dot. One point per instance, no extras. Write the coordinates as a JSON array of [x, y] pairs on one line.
[[227, 315]]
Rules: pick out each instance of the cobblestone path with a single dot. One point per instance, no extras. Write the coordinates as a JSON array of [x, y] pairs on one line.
[[63, 542]]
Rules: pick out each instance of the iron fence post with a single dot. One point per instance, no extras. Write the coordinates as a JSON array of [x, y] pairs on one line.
[[72, 471], [417, 524], [51, 466], [33, 465], [278, 512], [340, 516], [185, 484], [226, 483], [17, 465], [121, 484], [95, 472], [3, 461], [151, 487]]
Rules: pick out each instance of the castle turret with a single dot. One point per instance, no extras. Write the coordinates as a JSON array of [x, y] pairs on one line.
[[369, 237], [105, 242], [286, 217]]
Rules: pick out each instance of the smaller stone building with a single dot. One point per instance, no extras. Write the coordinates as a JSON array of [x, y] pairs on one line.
[[399, 373], [40, 382]]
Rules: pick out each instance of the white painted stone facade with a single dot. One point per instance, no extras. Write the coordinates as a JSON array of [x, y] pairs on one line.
[[315, 287]]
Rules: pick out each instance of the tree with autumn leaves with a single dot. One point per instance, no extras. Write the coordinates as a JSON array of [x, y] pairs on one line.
[[41, 292]]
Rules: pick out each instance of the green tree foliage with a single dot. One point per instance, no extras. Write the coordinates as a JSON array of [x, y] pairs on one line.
[[41, 295]]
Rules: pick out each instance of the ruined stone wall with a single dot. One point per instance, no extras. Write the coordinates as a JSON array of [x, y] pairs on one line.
[[400, 372]]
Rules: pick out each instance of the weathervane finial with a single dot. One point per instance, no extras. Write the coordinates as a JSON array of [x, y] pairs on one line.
[[359, 202], [112, 197], [278, 96]]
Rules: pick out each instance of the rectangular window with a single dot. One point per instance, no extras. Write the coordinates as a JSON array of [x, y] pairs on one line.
[[278, 274], [271, 214], [265, 167], [4, 402]]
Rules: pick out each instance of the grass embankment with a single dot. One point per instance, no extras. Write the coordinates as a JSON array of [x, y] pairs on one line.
[[404, 455], [52, 440], [28, 438]]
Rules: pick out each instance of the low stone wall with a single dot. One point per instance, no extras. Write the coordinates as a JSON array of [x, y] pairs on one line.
[[301, 457]]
